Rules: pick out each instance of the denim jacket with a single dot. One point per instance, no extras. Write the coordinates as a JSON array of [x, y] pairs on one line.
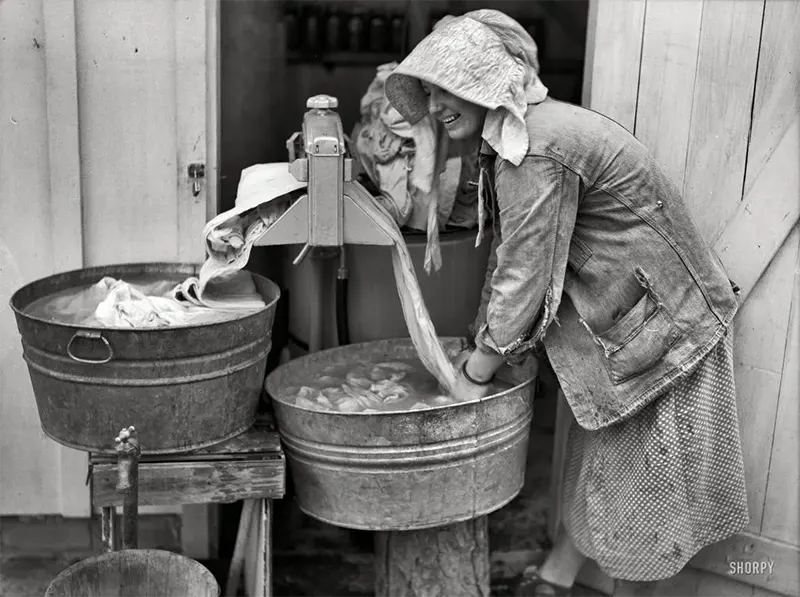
[[598, 260]]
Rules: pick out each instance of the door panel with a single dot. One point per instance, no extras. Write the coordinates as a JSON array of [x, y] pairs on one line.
[[104, 106]]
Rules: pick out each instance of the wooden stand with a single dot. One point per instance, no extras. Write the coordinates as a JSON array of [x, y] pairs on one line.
[[250, 467], [444, 561]]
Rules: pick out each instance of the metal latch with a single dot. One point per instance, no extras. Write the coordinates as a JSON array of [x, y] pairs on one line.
[[196, 172]]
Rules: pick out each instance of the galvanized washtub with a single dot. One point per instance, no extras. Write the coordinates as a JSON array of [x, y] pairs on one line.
[[151, 572], [181, 387], [394, 471]]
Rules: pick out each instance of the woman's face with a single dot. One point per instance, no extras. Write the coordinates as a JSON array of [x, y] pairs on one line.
[[462, 120]]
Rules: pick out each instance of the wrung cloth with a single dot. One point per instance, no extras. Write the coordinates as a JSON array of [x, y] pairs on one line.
[[259, 202], [221, 288]]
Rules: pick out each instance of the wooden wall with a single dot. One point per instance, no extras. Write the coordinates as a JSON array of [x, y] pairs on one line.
[[102, 107], [713, 88]]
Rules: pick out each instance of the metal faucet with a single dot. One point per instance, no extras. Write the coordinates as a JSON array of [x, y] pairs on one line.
[[128, 452], [330, 214]]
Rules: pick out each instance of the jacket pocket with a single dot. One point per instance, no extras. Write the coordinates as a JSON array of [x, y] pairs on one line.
[[640, 338]]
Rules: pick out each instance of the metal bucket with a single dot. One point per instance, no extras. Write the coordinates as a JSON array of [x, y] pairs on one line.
[[401, 470], [181, 387], [151, 572]]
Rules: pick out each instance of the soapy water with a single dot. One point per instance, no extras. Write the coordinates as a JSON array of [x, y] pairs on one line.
[[79, 305], [390, 386]]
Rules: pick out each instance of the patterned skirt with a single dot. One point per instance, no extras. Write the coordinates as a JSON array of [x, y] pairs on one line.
[[644, 496]]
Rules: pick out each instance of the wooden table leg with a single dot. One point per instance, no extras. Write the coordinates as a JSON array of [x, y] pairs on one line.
[[258, 563], [449, 560], [242, 537], [108, 528], [266, 545]]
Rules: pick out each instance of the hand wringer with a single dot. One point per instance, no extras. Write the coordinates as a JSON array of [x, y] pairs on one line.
[[329, 215]]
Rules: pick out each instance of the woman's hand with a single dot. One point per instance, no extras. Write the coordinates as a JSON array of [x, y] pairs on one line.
[[466, 390], [459, 359]]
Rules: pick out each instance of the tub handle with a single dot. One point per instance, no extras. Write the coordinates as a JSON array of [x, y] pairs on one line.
[[90, 336]]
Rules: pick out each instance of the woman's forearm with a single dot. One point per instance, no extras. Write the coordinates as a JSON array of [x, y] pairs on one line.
[[482, 365]]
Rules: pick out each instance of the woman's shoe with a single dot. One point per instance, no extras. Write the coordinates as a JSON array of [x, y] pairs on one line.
[[533, 585]]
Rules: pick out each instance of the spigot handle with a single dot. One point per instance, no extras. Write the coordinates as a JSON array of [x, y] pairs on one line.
[[128, 450]]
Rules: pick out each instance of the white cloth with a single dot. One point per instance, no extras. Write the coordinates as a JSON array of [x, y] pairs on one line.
[[221, 287], [423, 334]]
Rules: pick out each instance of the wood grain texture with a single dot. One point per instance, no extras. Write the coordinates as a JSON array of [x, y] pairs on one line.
[[258, 562], [780, 519], [771, 204], [667, 80], [767, 214], [135, 572], [127, 98], [30, 463], [613, 52], [63, 134], [759, 342], [66, 227], [448, 560], [195, 482], [777, 99], [720, 115], [745, 547], [213, 122], [261, 439]]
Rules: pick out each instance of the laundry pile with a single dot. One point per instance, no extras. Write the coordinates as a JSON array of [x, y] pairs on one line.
[[423, 179], [222, 287], [220, 291]]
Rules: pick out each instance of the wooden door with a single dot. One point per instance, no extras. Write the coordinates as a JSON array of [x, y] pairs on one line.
[[712, 87], [104, 106]]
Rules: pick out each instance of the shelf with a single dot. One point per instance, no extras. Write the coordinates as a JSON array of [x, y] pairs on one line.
[[547, 67], [344, 58]]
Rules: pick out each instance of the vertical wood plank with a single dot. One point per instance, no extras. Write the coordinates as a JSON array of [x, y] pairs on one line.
[[62, 126], [127, 99], [770, 207], [191, 95], [780, 519], [213, 118], [29, 461], [777, 99], [720, 121], [613, 52], [66, 227], [760, 338], [666, 86]]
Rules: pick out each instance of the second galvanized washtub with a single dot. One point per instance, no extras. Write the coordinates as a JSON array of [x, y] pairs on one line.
[[181, 387], [406, 470]]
